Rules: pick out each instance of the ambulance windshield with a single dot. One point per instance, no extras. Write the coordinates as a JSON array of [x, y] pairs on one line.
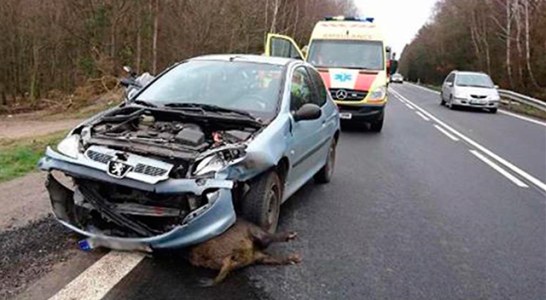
[[352, 54]]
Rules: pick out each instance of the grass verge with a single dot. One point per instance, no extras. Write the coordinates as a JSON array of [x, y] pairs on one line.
[[19, 157], [525, 110]]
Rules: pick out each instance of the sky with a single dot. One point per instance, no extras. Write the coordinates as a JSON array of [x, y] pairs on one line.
[[400, 19]]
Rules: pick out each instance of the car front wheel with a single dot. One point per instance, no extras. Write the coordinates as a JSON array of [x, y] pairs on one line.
[[262, 204]]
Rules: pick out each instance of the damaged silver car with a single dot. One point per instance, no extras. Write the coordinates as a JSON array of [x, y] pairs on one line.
[[209, 138]]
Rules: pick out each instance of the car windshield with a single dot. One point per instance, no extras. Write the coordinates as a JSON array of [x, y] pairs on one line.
[[347, 54], [243, 86], [475, 80]]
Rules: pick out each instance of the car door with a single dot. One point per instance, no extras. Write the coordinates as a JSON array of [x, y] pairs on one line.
[[307, 136], [448, 86], [329, 117], [282, 46]]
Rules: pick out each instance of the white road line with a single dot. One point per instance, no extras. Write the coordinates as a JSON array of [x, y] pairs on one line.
[[541, 185], [422, 116], [424, 88], [399, 99], [502, 111], [499, 169], [449, 135], [409, 106], [101, 277]]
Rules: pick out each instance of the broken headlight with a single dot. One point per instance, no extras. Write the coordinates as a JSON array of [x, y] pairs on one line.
[[210, 164], [218, 160], [70, 146]]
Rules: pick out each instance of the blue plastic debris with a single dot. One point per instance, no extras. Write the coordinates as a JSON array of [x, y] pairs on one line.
[[85, 245]]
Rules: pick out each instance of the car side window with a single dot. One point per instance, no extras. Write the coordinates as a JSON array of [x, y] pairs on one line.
[[450, 78], [283, 48], [321, 94], [280, 47], [300, 89], [294, 52]]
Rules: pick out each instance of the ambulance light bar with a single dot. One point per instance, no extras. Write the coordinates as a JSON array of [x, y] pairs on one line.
[[343, 18]]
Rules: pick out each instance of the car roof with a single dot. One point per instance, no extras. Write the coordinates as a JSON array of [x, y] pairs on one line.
[[469, 73], [281, 61]]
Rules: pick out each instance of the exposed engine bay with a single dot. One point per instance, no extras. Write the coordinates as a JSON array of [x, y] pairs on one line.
[[149, 145], [168, 136]]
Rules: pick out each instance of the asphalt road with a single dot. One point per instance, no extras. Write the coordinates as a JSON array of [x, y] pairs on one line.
[[410, 214]]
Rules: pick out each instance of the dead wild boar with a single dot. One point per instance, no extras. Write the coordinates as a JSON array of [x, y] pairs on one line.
[[240, 246]]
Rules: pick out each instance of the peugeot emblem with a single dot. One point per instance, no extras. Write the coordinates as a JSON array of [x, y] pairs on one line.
[[118, 169], [341, 94]]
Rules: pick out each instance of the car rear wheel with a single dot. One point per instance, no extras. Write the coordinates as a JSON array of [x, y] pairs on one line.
[[324, 175], [262, 203]]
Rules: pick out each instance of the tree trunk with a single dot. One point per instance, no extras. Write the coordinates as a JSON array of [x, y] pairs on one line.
[[138, 57], [273, 27], [34, 75], [154, 39], [509, 42], [527, 46], [517, 15]]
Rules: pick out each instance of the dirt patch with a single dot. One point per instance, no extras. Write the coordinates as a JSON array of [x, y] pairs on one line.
[[23, 200], [30, 252], [21, 128]]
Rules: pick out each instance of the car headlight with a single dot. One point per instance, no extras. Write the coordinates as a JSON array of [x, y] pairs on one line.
[[378, 93], [210, 164], [460, 96], [70, 146]]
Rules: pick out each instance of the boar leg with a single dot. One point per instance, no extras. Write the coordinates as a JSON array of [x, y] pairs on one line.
[[264, 239], [267, 259], [228, 265]]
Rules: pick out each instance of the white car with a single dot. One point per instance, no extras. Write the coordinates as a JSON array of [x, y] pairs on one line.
[[397, 78], [470, 89]]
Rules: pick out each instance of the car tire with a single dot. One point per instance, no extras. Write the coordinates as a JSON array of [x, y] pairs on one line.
[[262, 204], [451, 105], [442, 101], [377, 125], [324, 175], [493, 110]]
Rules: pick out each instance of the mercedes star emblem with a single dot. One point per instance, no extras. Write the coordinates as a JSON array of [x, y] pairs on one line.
[[341, 94]]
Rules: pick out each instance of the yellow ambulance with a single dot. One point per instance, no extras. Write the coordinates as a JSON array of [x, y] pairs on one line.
[[353, 61]]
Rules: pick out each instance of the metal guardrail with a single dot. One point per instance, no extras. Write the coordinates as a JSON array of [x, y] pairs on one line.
[[519, 98]]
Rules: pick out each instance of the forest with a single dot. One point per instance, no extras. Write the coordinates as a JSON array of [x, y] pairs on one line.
[[51, 48], [504, 38]]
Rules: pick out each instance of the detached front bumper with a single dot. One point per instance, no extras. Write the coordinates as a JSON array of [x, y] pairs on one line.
[[201, 224]]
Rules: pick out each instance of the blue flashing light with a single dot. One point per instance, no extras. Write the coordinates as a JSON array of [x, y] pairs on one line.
[[344, 18]]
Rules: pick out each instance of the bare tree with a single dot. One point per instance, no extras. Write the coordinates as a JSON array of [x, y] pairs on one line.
[[155, 9]]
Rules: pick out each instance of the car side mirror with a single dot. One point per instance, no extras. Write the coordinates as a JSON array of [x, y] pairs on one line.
[[308, 111], [450, 84]]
